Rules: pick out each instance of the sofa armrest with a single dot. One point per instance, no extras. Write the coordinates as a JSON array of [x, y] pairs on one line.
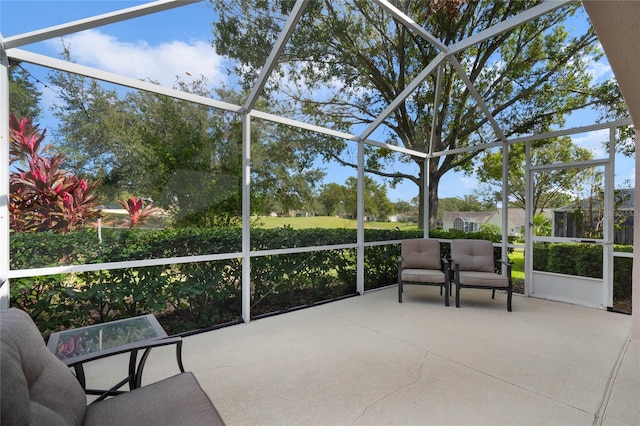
[[178, 400]]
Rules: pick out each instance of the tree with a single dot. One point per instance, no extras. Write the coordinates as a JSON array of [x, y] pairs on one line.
[[284, 176], [377, 206], [407, 211], [331, 199], [96, 133], [541, 225], [185, 157], [360, 59], [550, 188], [24, 96], [467, 203]]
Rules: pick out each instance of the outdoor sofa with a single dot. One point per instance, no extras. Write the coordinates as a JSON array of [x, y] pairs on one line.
[[39, 389]]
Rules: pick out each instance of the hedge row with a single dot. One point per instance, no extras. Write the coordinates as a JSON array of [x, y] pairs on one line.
[[190, 296]]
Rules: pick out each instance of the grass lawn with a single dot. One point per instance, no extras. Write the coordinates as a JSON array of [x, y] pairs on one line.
[[517, 259], [268, 222]]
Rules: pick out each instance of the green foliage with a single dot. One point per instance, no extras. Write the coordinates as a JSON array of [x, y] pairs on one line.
[[622, 273], [376, 203], [584, 260], [549, 187], [468, 203], [195, 295], [24, 95], [541, 225], [371, 57], [43, 196]]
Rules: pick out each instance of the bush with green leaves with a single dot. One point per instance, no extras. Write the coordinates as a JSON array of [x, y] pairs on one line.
[[193, 295]]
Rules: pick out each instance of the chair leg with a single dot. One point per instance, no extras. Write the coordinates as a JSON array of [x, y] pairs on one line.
[[446, 294], [493, 294], [400, 291], [509, 294], [457, 295]]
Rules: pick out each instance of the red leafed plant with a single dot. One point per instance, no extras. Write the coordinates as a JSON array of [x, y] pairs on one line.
[[138, 212], [43, 196]]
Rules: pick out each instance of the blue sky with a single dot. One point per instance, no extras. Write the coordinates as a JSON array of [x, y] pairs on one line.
[[177, 42]]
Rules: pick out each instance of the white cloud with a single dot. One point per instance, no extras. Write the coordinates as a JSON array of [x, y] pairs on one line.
[[593, 141], [600, 71], [140, 60]]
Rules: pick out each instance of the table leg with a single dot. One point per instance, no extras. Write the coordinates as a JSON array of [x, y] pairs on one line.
[[133, 358], [179, 356], [80, 375]]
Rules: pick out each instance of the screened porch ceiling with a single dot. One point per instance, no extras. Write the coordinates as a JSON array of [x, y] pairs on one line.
[[493, 124]]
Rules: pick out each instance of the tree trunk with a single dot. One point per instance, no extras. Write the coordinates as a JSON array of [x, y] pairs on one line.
[[433, 200], [434, 180]]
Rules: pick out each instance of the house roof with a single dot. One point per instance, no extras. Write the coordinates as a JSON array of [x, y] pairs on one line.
[[624, 200]]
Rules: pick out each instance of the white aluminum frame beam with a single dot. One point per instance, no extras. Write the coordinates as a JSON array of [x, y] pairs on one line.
[[94, 22], [479, 99], [436, 105], [276, 51], [4, 180], [411, 24], [408, 91], [547, 135], [60, 65], [508, 24], [246, 218]]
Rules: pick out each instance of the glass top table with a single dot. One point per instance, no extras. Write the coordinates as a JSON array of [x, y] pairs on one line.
[[77, 346]]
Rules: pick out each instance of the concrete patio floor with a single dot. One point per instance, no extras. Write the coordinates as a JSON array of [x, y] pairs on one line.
[[369, 360]]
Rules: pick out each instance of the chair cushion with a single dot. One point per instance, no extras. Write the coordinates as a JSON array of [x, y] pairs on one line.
[[420, 253], [178, 400], [36, 387], [483, 279], [423, 276], [473, 255]]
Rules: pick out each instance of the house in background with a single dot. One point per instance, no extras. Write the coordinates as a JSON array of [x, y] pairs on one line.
[[566, 223], [473, 221]]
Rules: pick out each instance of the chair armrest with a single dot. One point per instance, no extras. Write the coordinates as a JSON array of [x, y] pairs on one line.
[[507, 264], [446, 264]]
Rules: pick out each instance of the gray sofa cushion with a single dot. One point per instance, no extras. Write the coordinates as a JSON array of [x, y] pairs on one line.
[[483, 279], [423, 276], [36, 388], [473, 255], [39, 389], [420, 253], [178, 400]]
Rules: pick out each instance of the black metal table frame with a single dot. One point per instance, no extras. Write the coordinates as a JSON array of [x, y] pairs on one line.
[[136, 368]]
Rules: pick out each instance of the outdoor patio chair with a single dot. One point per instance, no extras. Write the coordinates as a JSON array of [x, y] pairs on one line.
[[474, 267], [39, 389], [420, 263]]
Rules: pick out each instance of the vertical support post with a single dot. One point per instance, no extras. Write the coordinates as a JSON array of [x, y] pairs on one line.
[[505, 203], [360, 214], [608, 225], [426, 198], [246, 217], [4, 179], [528, 213], [635, 275]]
